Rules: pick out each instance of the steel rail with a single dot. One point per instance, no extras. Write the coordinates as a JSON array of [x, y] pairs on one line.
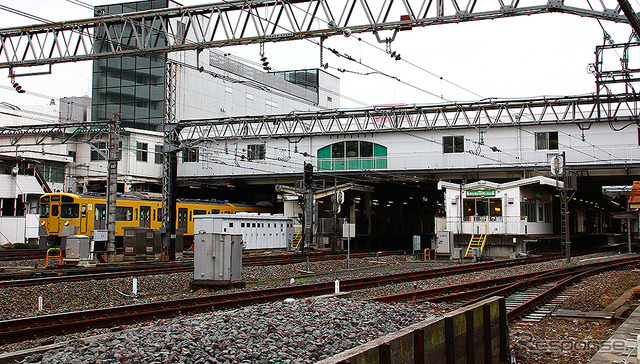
[[414, 296], [20, 254], [26, 279], [527, 306], [501, 285], [32, 327]]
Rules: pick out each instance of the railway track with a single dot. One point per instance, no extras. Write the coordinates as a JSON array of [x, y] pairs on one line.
[[33, 327], [523, 292], [107, 271], [21, 254]]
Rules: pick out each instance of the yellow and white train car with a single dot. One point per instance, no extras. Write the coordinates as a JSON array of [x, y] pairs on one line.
[[68, 214]]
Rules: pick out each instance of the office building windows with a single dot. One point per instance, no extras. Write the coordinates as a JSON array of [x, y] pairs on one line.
[[256, 152], [190, 155], [547, 140], [142, 152], [99, 152], [158, 154], [453, 144]]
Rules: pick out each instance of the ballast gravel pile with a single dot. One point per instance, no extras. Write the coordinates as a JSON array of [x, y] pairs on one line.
[[290, 331]]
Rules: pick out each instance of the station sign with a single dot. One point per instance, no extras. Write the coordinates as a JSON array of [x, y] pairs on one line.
[[480, 193]]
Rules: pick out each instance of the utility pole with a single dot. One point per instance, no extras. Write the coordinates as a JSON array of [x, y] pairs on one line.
[[308, 206], [564, 205], [170, 165], [112, 186]]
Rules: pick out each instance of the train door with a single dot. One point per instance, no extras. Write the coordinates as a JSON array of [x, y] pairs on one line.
[[54, 215], [83, 219], [145, 216], [100, 214], [183, 219]]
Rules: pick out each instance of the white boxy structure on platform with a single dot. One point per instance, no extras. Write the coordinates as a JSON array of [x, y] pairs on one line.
[[259, 231], [522, 207]]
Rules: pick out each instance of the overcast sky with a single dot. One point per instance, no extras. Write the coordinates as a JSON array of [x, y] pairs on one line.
[[508, 58]]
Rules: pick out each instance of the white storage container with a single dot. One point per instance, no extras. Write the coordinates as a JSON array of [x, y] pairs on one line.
[[259, 231]]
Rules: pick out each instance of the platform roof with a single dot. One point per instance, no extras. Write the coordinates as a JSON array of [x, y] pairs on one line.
[[501, 186]]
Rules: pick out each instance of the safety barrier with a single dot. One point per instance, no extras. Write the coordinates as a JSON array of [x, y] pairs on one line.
[[47, 256], [427, 254], [473, 334]]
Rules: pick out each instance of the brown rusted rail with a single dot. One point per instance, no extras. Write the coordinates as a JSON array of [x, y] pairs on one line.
[[21, 254], [31, 327], [74, 274], [505, 286]]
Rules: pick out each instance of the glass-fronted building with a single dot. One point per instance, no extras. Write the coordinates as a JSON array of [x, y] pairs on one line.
[[130, 86]]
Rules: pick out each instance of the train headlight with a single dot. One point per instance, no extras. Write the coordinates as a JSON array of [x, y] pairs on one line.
[[42, 223], [66, 223]]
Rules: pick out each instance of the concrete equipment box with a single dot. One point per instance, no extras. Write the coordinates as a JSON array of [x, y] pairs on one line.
[[444, 242], [78, 248], [217, 259]]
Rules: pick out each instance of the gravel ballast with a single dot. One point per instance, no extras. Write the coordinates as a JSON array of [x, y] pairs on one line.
[[293, 331], [279, 327]]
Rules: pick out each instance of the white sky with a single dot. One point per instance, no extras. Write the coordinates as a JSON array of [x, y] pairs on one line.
[[507, 58]]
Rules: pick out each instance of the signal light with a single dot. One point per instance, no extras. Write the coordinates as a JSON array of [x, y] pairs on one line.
[[308, 174]]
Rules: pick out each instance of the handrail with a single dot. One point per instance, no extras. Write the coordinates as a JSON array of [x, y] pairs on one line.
[[53, 256]]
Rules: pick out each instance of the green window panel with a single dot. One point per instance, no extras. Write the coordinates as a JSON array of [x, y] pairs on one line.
[[353, 164], [352, 155], [324, 153], [380, 163], [379, 150], [324, 165], [338, 165]]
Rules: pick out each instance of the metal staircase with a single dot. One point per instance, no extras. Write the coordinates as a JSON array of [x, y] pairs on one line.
[[564, 226], [477, 241], [297, 237]]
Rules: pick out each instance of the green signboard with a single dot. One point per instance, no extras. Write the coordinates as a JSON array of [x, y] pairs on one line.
[[480, 193]]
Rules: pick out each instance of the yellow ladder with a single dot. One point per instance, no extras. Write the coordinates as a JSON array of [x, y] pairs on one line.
[[297, 237], [477, 241]]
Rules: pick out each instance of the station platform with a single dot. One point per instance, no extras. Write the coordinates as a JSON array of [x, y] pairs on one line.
[[622, 344]]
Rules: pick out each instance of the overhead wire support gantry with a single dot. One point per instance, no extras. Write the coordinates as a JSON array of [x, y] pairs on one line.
[[247, 22], [407, 118]]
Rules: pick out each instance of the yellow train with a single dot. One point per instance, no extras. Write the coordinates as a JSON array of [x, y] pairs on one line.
[[67, 214]]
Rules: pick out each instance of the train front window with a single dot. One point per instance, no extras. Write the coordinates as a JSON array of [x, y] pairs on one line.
[[69, 210], [44, 211], [54, 210]]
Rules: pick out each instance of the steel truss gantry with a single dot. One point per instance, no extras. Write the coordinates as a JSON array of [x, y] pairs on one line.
[[486, 113], [57, 133], [244, 22]]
